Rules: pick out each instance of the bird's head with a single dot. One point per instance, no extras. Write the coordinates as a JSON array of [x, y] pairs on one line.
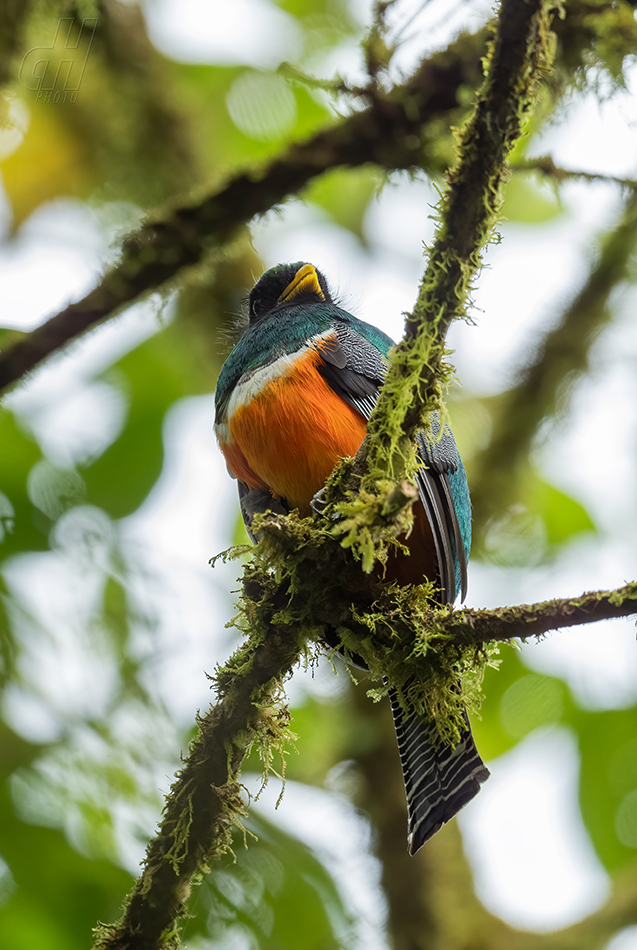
[[287, 285]]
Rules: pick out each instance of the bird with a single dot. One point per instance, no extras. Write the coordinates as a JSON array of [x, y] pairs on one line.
[[294, 397]]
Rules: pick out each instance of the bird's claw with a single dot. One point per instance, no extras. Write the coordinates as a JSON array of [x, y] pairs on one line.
[[319, 502]]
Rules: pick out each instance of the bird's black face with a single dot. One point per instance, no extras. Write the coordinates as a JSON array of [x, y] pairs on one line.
[[285, 285]]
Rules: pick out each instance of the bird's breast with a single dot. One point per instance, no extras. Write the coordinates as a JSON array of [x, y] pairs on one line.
[[285, 428]]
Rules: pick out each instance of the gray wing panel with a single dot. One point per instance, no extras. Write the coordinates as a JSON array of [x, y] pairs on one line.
[[354, 368]]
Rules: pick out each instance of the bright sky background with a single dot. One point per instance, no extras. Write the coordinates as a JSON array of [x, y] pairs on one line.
[[533, 862]]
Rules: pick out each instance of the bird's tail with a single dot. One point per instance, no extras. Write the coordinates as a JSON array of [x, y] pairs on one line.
[[439, 779]]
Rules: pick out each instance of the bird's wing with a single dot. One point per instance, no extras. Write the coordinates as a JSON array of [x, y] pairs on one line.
[[355, 369], [439, 453]]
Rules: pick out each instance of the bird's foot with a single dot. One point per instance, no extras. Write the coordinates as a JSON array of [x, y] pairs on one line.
[[319, 502]]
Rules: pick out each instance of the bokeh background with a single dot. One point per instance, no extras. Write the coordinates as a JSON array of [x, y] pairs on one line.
[[113, 496]]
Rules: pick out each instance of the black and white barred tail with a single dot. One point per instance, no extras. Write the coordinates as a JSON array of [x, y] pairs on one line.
[[439, 779]]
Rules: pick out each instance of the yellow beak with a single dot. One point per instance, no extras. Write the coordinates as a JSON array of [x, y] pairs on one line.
[[305, 281]]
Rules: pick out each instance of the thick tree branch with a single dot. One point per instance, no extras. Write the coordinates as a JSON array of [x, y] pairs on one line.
[[322, 590], [389, 132], [205, 802], [563, 355], [468, 215], [392, 132]]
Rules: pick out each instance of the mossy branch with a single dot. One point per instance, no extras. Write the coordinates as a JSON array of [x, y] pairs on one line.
[[317, 594], [534, 620], [563, 356], [205, 803], [304, 582], [298, 587], [390, 132], [520, 51], [394, 131]]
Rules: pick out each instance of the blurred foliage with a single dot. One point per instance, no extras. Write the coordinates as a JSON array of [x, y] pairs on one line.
[[346, 196], [518, 702], [535, 529], [250, 892], [527, 203], [85, 745]]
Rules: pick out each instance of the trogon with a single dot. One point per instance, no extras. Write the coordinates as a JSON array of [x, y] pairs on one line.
[[293, 397]]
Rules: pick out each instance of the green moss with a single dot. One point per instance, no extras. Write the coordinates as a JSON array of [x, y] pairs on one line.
[[295, 583], [413, 651]]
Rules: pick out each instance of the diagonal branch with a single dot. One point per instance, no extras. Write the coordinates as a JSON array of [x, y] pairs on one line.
[[467, 218], [388, 132], [205, 802], [392, 132]]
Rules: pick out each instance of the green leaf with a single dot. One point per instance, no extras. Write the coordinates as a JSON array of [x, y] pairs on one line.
[[530, 702], [223, 144], [27, 528], [518, 701], [608, 782], [562, 515], [530, 202], [492, 738], [532, 531], [255, 890], [8, 643], [54, 895], [337, 15], [154, 376]]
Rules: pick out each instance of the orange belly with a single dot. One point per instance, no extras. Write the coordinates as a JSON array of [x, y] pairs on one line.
[[289, 437]]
